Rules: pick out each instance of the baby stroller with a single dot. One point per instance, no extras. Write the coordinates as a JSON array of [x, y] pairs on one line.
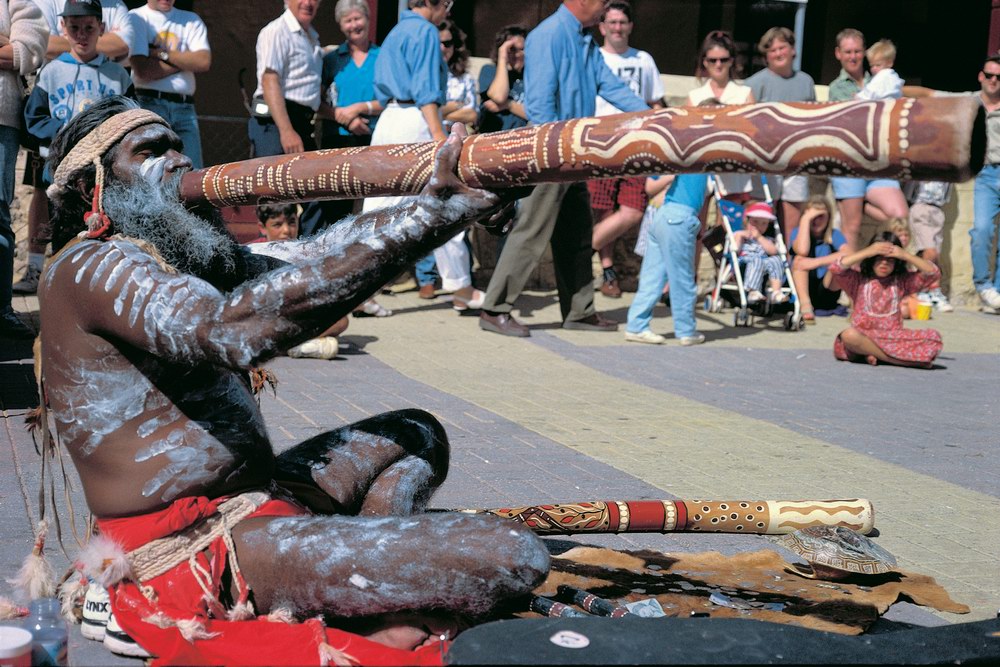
[[729, 286]]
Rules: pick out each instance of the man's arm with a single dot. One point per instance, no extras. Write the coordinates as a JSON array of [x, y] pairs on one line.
[[109, 45], [428, 85], [541, 78], [614, 90], [151, 68], [23, 50], [274, 97], [118, 291]]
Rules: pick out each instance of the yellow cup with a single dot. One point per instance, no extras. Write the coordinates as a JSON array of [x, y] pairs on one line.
[[922, 311]]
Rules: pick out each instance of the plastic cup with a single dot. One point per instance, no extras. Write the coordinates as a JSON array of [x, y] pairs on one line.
[[922, 311], [15, 647]]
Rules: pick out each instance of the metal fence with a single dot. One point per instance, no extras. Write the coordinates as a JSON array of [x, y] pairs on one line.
[[223, 139]]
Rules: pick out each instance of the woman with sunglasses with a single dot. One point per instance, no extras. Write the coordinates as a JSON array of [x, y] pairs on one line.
[[461, 103], [714, 70]]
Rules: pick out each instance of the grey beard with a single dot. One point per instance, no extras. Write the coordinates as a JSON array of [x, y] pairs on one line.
[[153, 212]]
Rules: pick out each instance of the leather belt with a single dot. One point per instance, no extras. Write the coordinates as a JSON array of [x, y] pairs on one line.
[[401, 101], [160, 95]]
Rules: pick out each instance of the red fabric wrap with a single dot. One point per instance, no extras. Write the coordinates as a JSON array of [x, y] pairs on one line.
[[251, 642]]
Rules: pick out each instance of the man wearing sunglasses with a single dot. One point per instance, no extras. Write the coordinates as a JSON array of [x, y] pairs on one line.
[[986, 194]]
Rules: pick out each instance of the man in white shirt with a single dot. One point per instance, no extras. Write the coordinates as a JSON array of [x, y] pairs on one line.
[[619, 203], [170, 47], [289, 78]]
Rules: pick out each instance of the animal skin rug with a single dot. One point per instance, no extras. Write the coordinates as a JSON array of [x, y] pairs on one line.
[[683, 582]]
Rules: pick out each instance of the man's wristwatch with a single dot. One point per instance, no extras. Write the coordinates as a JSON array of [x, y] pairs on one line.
[[163, 55]]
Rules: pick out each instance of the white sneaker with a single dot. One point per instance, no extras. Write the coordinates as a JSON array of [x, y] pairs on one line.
[[117, 641], [29, 283], [96, 609], [755, 296], [940, 301], [696, 339], [777, 296], [990, 297], [324, 347], [646, 336]]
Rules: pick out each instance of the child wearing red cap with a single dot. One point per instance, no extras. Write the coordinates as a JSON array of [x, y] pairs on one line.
[[758, 254]]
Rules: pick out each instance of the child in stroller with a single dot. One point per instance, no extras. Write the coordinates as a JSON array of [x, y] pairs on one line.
[[747, 245], [755, 247]]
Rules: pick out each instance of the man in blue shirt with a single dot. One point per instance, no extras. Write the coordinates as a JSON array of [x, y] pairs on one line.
[[564, 73]]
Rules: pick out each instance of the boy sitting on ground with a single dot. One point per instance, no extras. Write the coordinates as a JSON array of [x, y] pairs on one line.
[[280, 222]]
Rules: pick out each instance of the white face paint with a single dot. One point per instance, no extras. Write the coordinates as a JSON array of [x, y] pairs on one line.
[[153, 168]]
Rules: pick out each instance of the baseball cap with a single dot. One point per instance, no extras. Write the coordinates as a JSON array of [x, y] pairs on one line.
[[760, 210], [82, 8]]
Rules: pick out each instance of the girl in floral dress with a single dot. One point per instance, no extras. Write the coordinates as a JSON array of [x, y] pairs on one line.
[[877, 289]]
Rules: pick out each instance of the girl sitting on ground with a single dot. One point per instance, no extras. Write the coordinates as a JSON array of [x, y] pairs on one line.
[[816, 245], [877, 288]]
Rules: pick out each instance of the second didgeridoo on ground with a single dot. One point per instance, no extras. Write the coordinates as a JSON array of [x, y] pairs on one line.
[[759, 517], [939, 139]]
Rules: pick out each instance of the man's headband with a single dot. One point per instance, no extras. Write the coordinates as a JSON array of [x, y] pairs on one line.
[[92, 148], [90, 151]]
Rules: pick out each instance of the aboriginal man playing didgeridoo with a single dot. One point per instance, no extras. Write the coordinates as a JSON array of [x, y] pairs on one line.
[[152, 317]]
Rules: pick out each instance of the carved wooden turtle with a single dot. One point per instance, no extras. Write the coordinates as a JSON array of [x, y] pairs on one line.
[[835, 552]]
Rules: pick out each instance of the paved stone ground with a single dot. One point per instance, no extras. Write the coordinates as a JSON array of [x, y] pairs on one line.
[[567, 416]]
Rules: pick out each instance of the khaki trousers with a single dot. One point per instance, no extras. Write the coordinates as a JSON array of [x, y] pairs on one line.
[[558, 213]]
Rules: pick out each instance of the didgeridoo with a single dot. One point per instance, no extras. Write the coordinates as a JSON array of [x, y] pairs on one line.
[[759, 517], [939, 139]]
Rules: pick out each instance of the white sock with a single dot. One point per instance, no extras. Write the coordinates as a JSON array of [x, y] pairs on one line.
[[35, 260]]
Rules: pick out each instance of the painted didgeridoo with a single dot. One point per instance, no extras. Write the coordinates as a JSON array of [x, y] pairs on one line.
[[759, 517], [940, 139]]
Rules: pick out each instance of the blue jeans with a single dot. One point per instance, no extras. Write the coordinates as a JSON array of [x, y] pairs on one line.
[[9, 138], [184, 121], [669, 255], [426, 271], [986, 207]]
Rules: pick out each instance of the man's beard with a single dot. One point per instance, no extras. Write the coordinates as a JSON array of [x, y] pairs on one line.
[[153, 212]]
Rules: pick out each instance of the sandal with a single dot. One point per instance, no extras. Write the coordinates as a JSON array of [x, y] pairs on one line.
[[809, 317], [475, 302], [372, 308]]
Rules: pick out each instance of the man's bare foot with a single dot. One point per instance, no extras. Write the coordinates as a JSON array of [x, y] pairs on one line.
[[872, 360], [411, 631]]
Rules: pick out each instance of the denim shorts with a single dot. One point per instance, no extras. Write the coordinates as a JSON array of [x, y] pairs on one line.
[[855, 188]]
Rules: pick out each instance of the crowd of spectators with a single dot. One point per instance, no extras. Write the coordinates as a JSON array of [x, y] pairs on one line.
[[418, 84]]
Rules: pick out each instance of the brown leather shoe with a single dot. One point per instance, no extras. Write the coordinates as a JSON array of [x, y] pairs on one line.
[[591, 323], [502, 323], [427, 291], [611, 289]]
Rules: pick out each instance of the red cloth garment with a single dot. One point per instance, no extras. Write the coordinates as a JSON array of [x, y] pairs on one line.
[[877, 314], [252, 642]]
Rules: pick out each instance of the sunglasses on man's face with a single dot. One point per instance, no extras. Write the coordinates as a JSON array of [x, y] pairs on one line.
[[449, 44], [718, 61], [992, 77]]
